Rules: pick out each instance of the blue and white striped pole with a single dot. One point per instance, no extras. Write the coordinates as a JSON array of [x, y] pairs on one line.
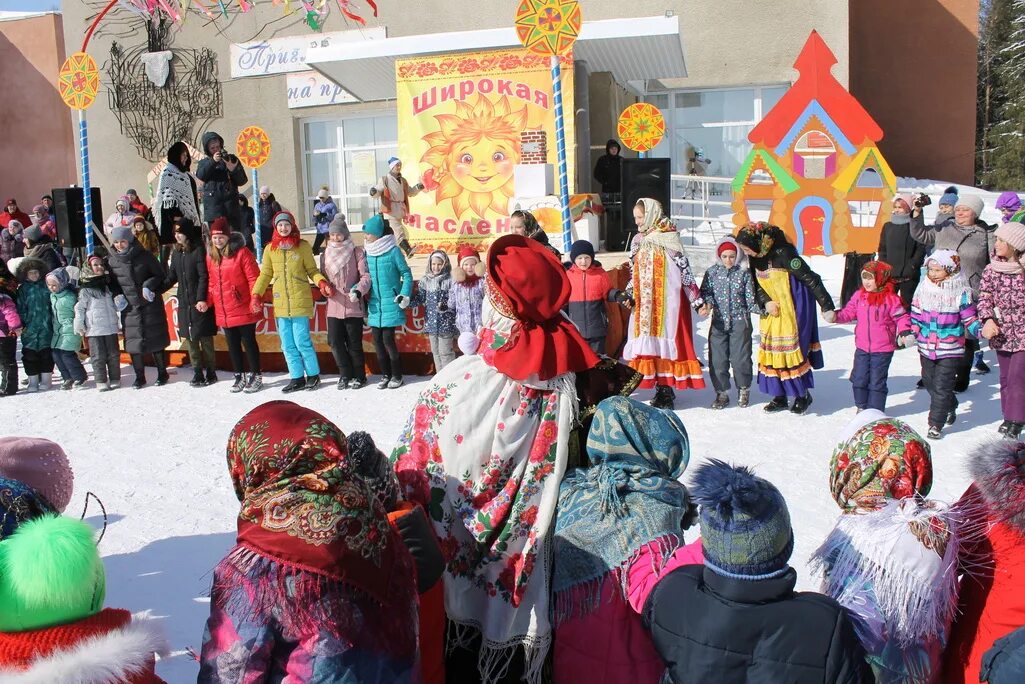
[[87, 194], [560, 148], [257, 233]]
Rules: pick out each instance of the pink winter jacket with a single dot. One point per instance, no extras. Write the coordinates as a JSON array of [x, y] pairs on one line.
[[878, 325], [345, 266], [611, 645]]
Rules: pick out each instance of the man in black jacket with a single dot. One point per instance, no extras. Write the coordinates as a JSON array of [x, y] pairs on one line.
[[902, 251], [606, 170], [222, 176], [737, 618]]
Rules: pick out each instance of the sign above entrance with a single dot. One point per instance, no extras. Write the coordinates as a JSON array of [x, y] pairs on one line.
[[288, 53], [312, 89]]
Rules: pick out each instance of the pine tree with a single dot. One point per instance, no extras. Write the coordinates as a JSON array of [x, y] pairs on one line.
[[1007, 138], [994, 35]]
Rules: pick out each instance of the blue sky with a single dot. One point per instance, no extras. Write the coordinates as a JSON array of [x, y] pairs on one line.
[[26, 5]]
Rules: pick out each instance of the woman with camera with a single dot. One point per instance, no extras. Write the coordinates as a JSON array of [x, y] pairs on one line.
[[222, 176]]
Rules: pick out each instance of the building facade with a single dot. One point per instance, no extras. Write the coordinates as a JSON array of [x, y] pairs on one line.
[[250, 70]]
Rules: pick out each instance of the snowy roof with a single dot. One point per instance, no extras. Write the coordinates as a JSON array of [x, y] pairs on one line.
[[816, 89], [14, 16]]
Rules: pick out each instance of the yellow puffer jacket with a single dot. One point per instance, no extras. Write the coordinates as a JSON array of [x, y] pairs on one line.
[[290, 270]]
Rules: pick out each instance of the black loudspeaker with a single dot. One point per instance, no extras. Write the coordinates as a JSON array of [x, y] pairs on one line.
[[69, 209], [641, 178]]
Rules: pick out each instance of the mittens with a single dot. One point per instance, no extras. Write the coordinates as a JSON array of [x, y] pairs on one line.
[[325, 288], [120, 303], [256, 305], [148, 294], [402, 301], [354, 296]]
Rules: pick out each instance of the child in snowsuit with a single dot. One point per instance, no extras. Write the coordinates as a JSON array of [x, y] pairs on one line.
[[53, 626], [10, 326], [590, 289], [66, 342], [324, 589], [737, 618], [1002, 312], [288, 262], [37, 321], [466, 297], [942, 311], [891, 560], [96, 319], [345, 267], [881, 325], [432, 294], [991, 603], [729, 296], [391, 287]]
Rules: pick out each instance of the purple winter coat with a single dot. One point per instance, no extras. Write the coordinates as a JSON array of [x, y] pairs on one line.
[[879, 325], [9, 318], [345, 266], [1002, 298]]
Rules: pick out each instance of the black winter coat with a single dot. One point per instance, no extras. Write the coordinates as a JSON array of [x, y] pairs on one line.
[[903, 252], [785, 256], [220, 186], [188, 272], [710, 628], [144, 323]]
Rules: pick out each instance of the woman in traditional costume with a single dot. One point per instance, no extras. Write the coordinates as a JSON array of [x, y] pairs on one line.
[[787, 289], [660, 345], [485, 451]]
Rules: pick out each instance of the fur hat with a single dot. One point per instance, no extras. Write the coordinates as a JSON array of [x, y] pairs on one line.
[[338, 226], [14, 225], [948, 259], [220, 226], [949, 196], [998, 468], [121, 233], [973, 202], [745, 524], [1013, 234], [375, 226], [33, 233], [41, 464], [581, 248], [52, 575]]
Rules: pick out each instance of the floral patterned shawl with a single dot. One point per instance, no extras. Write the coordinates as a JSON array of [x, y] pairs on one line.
[[484, 454]]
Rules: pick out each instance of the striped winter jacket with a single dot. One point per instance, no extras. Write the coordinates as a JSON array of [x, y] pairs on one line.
[[940, 316]]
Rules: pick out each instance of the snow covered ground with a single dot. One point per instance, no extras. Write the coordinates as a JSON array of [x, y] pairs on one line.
[[156, 459]]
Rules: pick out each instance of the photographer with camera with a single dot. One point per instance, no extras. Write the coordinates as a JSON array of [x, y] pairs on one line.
[[222, 176], [897, 248]]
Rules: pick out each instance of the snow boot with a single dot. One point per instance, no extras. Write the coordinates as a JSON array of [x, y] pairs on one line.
[[935, 432], [980, 365], [952, 416], [722, 400], [294, 385], [1004, 426], [1014, 430], [211, 376], [254, 383], [33, 383], [45, 381], [801, 404], [197, 379], [78, 385], [240, 384], [744, 397], [140, 382], [312, 382], [66, 384], [777, 404], [665, 398], [343, 383], [396, 382], [105, 386], [384, 382], [162, 377], [357, 384]]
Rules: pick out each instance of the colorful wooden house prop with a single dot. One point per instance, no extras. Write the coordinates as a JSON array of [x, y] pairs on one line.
[[815, 169]]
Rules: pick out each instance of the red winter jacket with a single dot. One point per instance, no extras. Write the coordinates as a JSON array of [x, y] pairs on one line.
[[230, 283], [586, 308], [992, 599]]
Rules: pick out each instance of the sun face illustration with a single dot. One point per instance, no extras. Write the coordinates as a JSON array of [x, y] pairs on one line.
[[473, 154]]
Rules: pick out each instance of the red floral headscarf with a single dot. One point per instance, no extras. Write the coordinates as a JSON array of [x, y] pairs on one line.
[[305, 503], [885, 459]]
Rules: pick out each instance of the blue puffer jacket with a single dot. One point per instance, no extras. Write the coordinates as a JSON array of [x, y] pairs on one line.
[[390, 276]]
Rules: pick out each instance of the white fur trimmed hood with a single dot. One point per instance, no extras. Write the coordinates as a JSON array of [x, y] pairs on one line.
[[110, 658]]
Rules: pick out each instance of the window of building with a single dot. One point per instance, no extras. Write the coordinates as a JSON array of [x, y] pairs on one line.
[[711, 125], [348, 156]]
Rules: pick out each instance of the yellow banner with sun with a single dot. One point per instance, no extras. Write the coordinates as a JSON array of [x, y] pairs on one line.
[[465, 122]]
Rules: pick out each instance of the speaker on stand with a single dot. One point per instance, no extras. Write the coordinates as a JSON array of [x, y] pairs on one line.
[[648, 177], [69, 215]]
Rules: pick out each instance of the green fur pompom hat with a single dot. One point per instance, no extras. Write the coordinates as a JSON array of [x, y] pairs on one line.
[[50, 574]]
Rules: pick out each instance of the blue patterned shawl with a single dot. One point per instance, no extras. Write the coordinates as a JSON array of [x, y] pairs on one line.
[[630, 496]]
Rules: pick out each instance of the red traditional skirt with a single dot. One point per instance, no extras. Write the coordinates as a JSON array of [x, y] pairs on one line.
[[683, 372]]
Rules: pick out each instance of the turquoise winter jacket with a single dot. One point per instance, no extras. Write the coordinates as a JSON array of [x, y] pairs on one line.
[[63, 305], [390, 276]]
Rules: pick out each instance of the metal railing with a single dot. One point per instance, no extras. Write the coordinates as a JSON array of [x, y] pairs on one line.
[[701, 201]]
